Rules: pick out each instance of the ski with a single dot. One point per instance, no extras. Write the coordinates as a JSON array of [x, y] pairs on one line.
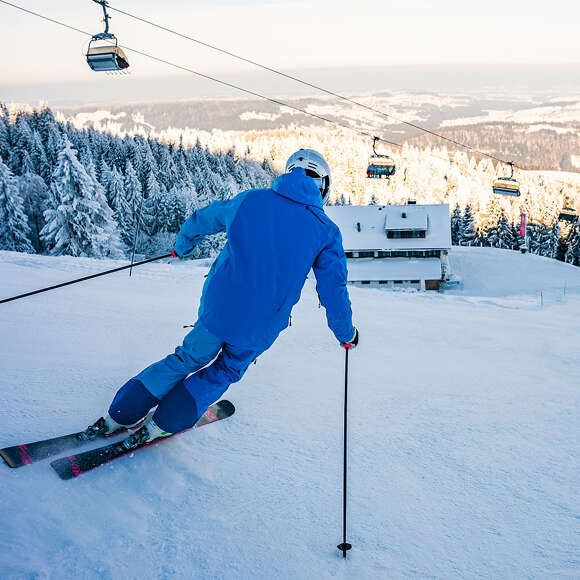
[[75, 465], [19, 455], [28, 453]]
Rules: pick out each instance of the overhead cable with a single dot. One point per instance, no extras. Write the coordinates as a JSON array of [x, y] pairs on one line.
[[211, 78], [307, 83]]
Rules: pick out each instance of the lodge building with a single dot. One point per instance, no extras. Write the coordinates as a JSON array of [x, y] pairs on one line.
[[395, 246]]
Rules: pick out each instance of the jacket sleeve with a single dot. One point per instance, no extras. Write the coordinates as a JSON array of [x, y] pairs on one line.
[[212, 219], [331, 276]]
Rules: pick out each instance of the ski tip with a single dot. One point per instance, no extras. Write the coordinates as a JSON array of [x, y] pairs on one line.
[[226, 407], [15, 456], [9, 460], [66, 467]]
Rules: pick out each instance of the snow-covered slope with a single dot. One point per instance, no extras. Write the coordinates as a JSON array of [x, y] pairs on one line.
[[464, 425]]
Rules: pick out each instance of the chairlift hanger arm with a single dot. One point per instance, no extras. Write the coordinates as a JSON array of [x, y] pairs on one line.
[[106, 18], [511, 164], [379, 139]]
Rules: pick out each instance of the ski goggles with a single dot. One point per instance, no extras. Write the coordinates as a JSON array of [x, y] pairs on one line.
[[319, 182]]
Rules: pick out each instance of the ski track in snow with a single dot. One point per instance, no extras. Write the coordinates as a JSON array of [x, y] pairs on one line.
[[464, 429]]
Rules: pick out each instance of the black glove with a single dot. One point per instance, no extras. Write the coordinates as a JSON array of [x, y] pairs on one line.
[[174, 254], [352, 342]]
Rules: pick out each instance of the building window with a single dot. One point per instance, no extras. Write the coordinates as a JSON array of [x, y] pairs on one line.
[[394, 254], [383, 281], [415, 281], [365, 282], [405, 234]]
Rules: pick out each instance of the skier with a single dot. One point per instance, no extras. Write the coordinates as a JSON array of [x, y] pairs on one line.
[[275, 236]]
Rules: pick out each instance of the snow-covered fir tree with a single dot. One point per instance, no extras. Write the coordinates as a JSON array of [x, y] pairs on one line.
[[456, 225], [572, 254], [466, 234], [34, 193], [79, 221], [151, 207], [501, 235], [134, 196], [4, 132], [14, 228], [120, 205]]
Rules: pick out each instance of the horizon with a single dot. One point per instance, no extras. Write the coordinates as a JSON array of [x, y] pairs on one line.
[[538, 80]]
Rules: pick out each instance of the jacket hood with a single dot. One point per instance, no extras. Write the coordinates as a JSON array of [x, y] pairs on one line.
[[297, 186]]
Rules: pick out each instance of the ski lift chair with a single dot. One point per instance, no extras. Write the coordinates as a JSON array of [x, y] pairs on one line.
[[105, 56], [507, 185], [380, 166], [568, 214]]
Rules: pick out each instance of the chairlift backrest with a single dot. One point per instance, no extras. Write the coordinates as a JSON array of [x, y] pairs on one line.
[[507, 185], [105, 56], [380, 168]]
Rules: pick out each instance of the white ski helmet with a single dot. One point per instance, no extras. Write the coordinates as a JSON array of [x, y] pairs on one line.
[[315, 166]]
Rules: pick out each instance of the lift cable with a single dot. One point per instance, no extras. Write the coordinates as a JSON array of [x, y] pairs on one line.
[[214, 79], [309, 84]]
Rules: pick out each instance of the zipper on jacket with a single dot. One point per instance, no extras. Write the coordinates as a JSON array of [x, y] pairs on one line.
[[315, 215]]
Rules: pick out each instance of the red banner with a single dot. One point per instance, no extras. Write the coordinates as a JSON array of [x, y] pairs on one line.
[[523, 225]]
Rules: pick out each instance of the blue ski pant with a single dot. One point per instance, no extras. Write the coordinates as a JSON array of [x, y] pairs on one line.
[[183, 384]]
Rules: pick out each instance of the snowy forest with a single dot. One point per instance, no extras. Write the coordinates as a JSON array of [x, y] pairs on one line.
[[431, 175], [87, 192], [64, 191]]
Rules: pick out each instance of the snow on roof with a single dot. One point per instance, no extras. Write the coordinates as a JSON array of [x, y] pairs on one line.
[[393, 269], [372, 220], [405, 217]]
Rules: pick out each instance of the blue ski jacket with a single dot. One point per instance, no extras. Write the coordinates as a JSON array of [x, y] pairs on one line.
[[275, 236]]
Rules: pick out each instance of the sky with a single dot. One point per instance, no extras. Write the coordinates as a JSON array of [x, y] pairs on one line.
[[290, 34]]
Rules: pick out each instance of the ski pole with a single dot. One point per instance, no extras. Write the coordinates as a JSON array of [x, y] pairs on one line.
[[133, 265], [345, 546]]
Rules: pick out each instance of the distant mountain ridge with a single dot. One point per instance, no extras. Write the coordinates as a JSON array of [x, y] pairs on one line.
[[539, 134]]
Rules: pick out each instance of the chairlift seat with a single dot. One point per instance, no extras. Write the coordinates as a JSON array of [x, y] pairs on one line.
[[380, 167], [506, 186], [108, 57]]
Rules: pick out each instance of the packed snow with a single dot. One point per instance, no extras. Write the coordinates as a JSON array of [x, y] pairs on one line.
[[464, 429]]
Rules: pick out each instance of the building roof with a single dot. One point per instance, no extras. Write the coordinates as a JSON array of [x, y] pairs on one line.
[[405, 217], [374, 219], [393, 269]]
